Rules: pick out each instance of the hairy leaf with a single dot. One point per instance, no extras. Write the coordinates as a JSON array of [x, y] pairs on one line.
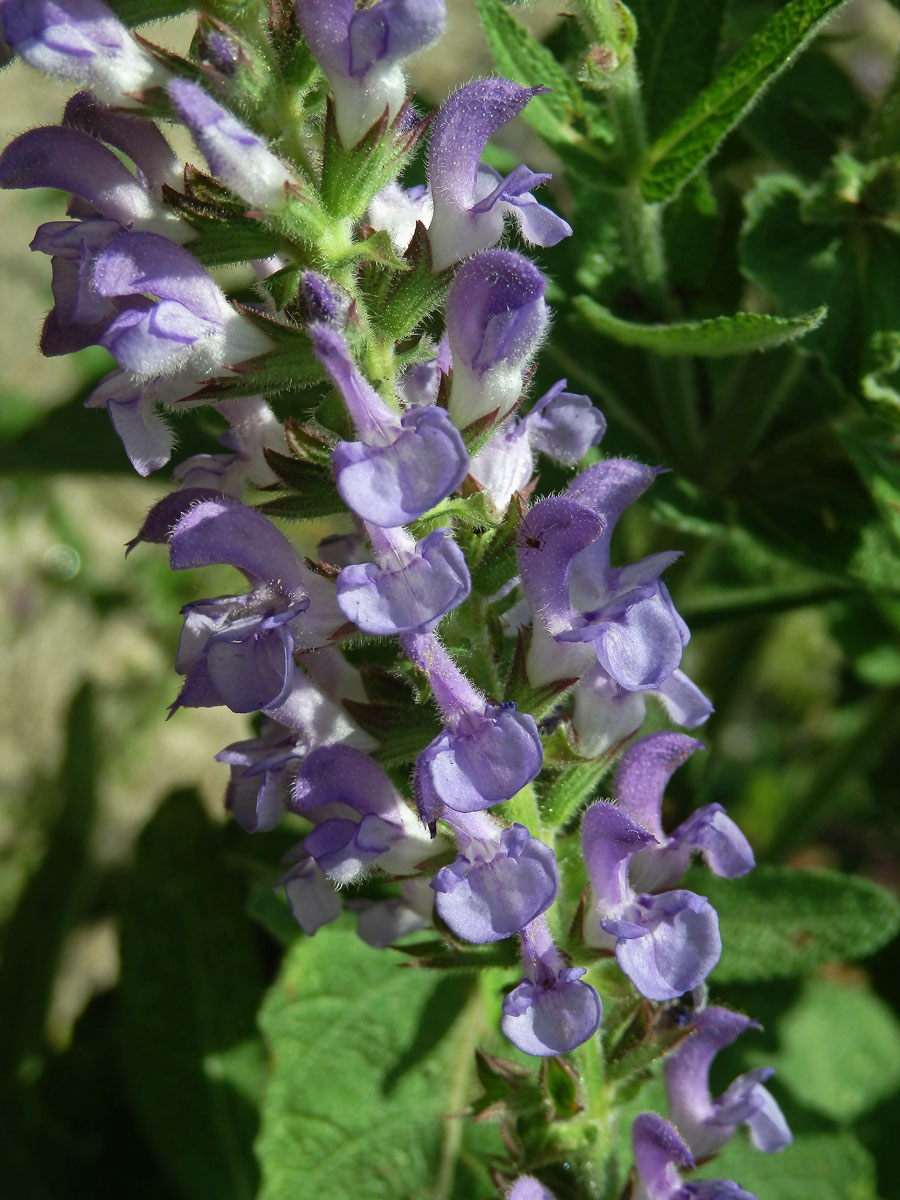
[[777, 922], [695, 136], [368, 1064], [713, 338]]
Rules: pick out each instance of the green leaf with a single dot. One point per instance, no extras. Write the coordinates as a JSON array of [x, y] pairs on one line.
[[521, 57], [135, 12], [844, 1075], [676, 50], [713, 338], [777, 922], [402, 729], [695, 136], [191, 983], [817, 1166], [368, 1064], [313, 492]]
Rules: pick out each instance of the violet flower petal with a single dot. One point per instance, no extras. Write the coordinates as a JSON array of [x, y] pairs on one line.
[[680, 944], [553, 1016], [312, 897], [486, 899]]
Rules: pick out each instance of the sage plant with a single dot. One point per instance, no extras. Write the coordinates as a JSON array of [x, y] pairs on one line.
[[445, 653]]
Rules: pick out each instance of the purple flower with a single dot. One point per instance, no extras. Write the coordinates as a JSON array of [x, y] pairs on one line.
[[658, 1153], [190, 326], [641, 779], [403, 465], [397, 210], [312, 897], [235, 154], [362, 53], [706, 1124], [258, 765], [136, 137], [381, 922], [359, 819], [80, 40], [551, 1010], [410, 587], [606, 714], [624, 614], [471, 199], [71, 160], [496, 317], [665, 944], [527, 1187], [238, 650], [561, 425], [254, 429], [486, 752], [503, 879]]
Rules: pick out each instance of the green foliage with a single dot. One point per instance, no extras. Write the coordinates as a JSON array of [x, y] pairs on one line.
[[777, 922], [842, 1076], [719, 336], [191, 984], [695, 135], [350, 1035], [136, 12]]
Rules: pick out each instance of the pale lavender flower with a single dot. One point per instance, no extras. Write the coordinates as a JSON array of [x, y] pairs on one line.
[[410, 586], [398, 210], [552, 1010], [527, 1187], [641, 779], [238, 650], [501, 880], [659, 1152], [312, 897], [362, 53], [254, 429], [666, 944], [496, 317], [470, 198], [360, 822], [381, 922], [238, 156], [705, 1123], [403, 465], [80, 40], [258, 765], [485, 753]]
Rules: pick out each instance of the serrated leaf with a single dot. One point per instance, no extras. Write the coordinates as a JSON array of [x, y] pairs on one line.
[[391, 1054], [191, 983], [408, 296], [841, 1077], [521, 57], [493, 562], [777, 922], [676, 49], [712, 338], [695, 136], [563, 797]]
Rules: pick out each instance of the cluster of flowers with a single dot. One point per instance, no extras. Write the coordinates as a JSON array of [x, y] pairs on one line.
[[124, 278]]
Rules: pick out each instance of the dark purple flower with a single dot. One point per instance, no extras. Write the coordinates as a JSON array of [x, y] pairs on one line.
[[403, 465], [137, 137], [471, 200], [235, 153], [410, 586], [362, 53], [190, 326], [360, 820], [641, 779], [706, 1124], [496, 316], [503, 879], [551, 1010], [238, 650], [258, 765], [665, 944], [658, 1154], [486, 752], [321, 301], [80, 40]]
